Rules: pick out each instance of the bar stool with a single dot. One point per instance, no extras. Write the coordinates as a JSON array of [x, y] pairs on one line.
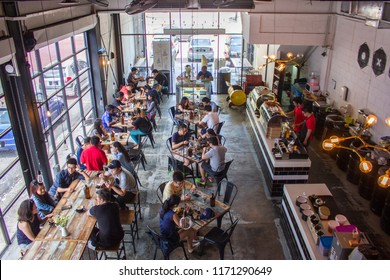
[[117, 248], [127, 218]]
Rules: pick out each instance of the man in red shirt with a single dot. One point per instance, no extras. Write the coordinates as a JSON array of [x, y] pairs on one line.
[[94, 158], [308, 127], [299, 118]]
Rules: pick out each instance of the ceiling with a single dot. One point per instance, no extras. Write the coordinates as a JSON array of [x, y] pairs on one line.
[[204, 4]]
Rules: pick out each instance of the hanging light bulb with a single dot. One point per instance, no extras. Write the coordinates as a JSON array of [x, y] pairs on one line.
[[334, 139], [387, 121], [371, 120], [272, 56], [384, 180], [365, 166], [327, 145], [265, 56], [48, 113], [281, 67], [289, 54]]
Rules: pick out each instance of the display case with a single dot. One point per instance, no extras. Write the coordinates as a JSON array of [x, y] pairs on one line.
[[259, 95], [271, 118], [194, 90]]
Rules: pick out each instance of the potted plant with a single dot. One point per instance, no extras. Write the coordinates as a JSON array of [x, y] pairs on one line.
[[62, 221]]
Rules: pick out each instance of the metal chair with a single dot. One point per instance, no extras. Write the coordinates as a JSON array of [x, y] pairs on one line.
[[222, 175], [117, 248], [217, 128], [172, 113], [160, 191], [222, 139], [219, 238], [230, 191], [178, 165], [160, 242], [127, 218], [79, 141]]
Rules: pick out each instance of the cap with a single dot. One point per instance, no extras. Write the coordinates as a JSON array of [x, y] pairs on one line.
[[114, 164]]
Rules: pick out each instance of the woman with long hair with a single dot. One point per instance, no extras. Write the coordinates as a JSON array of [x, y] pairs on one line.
[[122, 155], [170, 226], [42, 200], [184, 105], [28, 225], [141, 124], [99, 130]]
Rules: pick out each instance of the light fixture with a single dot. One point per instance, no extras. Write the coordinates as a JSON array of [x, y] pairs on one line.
[[365, 165], [291, 59], [387, 121], [48, 113]]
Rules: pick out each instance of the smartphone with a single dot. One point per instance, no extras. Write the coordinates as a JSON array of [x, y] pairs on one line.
[[66, 207]]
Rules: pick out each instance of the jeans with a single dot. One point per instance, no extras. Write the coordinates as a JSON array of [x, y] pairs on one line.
[[134, 134]]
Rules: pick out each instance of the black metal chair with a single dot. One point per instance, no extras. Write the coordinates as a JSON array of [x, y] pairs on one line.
[[229, 191], [219, 238], [79, 141], [222, 139], [149, 136], [127, 218], [174, 164], [221, 175], [160, 191], [217, 128], [172, 113], [164, 245]]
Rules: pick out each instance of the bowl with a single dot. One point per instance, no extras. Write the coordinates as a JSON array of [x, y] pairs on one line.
[[332, 224], [300, 200], [306, 214], [341, 219], [81, 209], [185, 223], [304, 207], [324, 212], [51, 221]]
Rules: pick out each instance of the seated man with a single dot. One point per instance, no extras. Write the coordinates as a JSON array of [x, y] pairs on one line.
[[94, 157], [209, 121], [117, 102], [64, 178], [109, 119], [177, 185], [124, 186], [204, 74], [110, 231], [162, 80], [179, 139], [207, 101], [86, 145], [216, 160], [132, 79]]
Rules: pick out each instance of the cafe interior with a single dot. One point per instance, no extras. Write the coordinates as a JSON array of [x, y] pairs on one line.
[[320, 192]]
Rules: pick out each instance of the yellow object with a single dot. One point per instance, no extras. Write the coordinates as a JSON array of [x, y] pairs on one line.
[[204, 61], [237, 96]]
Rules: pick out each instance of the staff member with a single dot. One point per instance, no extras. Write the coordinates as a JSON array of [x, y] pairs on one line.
[[308, 127]]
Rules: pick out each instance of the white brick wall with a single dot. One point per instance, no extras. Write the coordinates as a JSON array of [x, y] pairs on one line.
[[365, 89]]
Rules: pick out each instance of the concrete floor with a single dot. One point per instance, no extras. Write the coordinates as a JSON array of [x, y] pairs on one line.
[[258, 234]]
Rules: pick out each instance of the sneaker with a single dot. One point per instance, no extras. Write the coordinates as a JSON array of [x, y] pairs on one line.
[[194, 246], [200, 181], [210, 179], [90, 245]]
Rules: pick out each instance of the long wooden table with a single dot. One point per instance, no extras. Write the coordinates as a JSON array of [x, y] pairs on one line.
[[49, 244], [202, 202], [123, 138]]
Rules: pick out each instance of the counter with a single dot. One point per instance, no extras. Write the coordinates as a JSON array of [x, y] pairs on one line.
[[296, 230], [276, 172]]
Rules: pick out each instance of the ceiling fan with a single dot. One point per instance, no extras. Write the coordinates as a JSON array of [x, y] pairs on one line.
[[139, 6], [223, 3]]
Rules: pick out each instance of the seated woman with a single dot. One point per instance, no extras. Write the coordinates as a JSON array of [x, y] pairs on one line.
[[42, 200], [122, 155], [99, 130], [141, 125], [110, 231], [183, 106], [28, 225], [170, 227]]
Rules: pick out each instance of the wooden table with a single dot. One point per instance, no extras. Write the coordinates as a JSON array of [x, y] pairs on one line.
[[140, 97], [202, 202], [131, 109], [183, 152], [49, 244], [123, 138], [126, 125]]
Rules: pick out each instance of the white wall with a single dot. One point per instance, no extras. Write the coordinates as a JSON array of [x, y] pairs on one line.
[[365, 89]]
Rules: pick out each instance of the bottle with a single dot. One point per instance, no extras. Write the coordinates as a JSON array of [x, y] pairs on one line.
[[191, 115], [112, 136], [39, 177], [87, 192], [123, 119], [212, 200]]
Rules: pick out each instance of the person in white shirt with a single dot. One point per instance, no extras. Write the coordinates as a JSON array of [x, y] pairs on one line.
[[208, 121]]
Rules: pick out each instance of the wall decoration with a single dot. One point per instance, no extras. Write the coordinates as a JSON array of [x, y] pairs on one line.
[[363, 55], [379, 62]]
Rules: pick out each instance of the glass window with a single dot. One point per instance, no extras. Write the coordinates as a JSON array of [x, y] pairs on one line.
[[79, 41], [65, 48], [74, 115], [48, 56], [87, 102]]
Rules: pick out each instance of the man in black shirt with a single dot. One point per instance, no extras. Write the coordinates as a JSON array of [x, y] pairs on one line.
[[179, 139], [117, 102], [161, 80], [110, 231]]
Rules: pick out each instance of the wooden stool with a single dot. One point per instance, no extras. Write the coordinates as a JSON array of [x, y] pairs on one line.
[[127, 218], [136, 202], [118, 248]]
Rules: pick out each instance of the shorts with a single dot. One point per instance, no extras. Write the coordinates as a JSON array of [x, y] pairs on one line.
[[207, 167]]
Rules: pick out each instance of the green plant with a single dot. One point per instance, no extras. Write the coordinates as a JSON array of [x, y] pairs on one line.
[[61, 220]]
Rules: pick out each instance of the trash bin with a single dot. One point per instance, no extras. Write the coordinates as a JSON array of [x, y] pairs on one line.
[[223, 77]]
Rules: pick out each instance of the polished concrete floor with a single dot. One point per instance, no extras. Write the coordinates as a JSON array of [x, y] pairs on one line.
[[258, 234]]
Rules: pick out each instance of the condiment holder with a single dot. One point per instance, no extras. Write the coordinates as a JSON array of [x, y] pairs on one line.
[[300, 200], [304, 207]]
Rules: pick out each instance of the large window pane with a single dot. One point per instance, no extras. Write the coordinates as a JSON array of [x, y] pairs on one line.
[[33, 63], [48, 55], [74, 115], [79, 41], [10, 185], [87, 102], [10, 218], [65, 48], [63, 151]]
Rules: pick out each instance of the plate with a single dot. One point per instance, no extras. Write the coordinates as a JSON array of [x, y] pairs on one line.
[[81, 209]]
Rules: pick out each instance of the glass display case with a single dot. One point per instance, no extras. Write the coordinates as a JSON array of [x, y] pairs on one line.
[[193, 90], [271, 118]]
